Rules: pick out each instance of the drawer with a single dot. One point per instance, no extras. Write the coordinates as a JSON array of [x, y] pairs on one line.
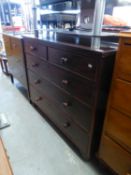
[[80, 113], [7, 44], [83, 89], [17, 48], [85, 65], [35, 48], [115, 157], [121, 96], [118, 126], [124, 60], [37, 65], [61, 119]]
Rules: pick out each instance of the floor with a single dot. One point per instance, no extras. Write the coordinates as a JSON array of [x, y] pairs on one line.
[[33, 146]]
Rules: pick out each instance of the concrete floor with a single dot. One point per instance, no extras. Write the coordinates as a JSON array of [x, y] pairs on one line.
[[33, 146]]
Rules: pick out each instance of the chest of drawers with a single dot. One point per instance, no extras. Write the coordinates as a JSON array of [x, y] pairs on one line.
[[15, 54], [70, 85], [115, 148]]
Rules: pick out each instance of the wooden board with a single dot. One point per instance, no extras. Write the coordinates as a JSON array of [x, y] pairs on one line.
[[5, 168]]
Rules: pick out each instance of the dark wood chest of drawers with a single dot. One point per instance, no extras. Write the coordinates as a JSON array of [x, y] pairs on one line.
[[16, 60], [70, 85], [115, 148]]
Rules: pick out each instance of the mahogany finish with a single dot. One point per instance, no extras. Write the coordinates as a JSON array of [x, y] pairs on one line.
[[115, 147], [70, 83]]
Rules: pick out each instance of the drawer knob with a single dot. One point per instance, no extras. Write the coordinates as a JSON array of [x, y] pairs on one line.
[[66, 104], [35, 65], [38, 99], [14, 45], [32, 48], [90, 66], [65, 82], [66, 124], [37, 81], [64, 60]]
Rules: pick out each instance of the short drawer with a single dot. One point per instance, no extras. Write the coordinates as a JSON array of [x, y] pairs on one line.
[[61, 119], [80, 113], [118, 126], [124, 60], [35, 48], [121, 96], [85, 65], [37, 65], [115, 157]]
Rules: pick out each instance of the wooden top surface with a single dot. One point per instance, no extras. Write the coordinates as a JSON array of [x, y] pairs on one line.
[[5, 168], [126, 34]]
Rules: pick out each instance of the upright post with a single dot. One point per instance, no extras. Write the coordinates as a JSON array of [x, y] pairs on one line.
[[98, 21]]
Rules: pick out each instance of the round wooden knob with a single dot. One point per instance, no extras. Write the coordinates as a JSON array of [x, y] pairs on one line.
[[38, 99], [32, 48], [66, 104], [64, 60], [35, 65], [37, 81], [66, 124], [65, 82], [14, 45]]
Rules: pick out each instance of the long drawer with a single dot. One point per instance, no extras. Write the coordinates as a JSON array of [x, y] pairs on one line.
[[85, 65], [34, 47], [80, 113], [121, 96], [115, 156], [37, 65], [118, 126], [81, 88], [61, 119]]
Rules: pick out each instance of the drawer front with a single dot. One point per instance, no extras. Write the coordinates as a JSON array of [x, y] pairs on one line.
[[7, 43], [53, 111], [118, 126], [37, 65], [33, 47], [87, 66], [115, 157], [124, 60], [81, 88], [121, 96], [80, 113], [16, 46]]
